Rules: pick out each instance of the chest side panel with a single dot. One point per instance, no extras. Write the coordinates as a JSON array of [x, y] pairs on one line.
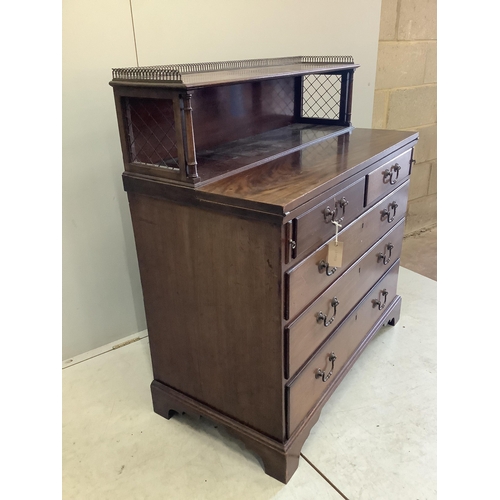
[[212, 294]]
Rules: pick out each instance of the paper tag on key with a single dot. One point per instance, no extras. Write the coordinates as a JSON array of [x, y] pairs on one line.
[[335, 248]]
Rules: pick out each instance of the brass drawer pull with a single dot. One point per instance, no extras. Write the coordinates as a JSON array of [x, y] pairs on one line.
[[330, 214], [387, 212], [323, 318], [380, 304], [386, 258], [343, 203], [323, 265], [388, 173], [325, 376]]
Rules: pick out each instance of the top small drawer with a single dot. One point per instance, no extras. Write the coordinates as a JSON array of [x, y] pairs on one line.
[[387, 177], [316, 226]]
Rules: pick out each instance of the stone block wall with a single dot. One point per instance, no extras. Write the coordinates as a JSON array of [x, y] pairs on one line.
[[405, 95]]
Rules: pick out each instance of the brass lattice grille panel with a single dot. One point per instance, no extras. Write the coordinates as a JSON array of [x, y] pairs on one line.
[[277, 97], [150, 130], [321, 96]]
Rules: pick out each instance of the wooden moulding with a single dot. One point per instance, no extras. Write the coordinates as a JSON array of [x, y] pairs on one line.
[[280, 459]]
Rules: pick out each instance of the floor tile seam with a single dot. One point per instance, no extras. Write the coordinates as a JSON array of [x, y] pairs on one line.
[[324, 477], [111, 349], [420, 274], [417, 232], [408, 269]]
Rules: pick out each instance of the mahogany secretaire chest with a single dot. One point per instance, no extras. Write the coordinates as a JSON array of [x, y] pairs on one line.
[[268, 234]]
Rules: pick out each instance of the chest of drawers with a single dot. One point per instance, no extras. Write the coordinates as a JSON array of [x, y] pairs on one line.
[[249, 324]]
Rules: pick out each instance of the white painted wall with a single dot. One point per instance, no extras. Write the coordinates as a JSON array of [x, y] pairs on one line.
[[102, 299]]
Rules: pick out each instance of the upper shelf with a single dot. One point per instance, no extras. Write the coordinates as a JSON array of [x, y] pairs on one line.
[[198, 75], [243, 154], [193, 123]]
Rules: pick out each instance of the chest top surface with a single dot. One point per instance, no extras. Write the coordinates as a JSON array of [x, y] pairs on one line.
[[291, 180]]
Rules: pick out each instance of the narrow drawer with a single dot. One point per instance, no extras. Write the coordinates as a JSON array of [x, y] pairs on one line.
[[308, 387], [305, 281], [387, 177], [315, 226], [316, 323]]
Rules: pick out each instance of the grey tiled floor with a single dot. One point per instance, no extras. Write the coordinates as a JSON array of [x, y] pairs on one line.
[[375, 439]]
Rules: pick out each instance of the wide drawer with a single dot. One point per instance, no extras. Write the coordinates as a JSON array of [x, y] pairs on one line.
[[387, 177], [312, 327], [305, 281], [316, 225], [333, 358]]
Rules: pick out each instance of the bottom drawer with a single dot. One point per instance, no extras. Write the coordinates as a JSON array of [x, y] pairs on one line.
[[320, 373]]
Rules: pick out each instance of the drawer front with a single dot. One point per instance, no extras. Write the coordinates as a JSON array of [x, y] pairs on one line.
[[308, 387], [315, 226], [309, 278], [387, 177], [317, 322]]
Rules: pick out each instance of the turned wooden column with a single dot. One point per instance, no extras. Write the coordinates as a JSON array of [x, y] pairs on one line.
[[190, 149]]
